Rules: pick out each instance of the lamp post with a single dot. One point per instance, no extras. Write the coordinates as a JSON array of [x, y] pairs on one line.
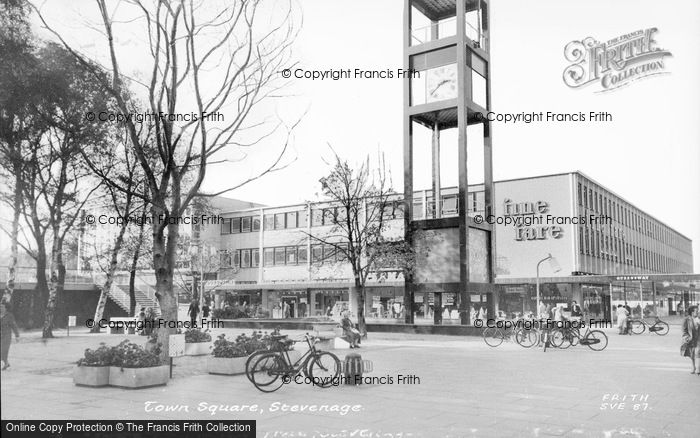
[[555, 267]]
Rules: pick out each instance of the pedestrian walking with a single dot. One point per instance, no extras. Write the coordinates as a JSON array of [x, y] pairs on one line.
[[205, 311], [690, 342], [622, 316], [193, 311], [7, 327]]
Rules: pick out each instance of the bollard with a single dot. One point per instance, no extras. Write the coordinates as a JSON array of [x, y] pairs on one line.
[[352, 369]]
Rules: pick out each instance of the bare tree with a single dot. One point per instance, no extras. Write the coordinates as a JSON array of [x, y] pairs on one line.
[[360, 206], [221, 58]]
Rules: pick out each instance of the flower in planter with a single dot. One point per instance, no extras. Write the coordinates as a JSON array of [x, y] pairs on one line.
[[194, 335], [100, 357], [243, 345], [130, 355]]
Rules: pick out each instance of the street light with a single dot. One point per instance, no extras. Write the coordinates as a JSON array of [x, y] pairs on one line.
[[555, 268]]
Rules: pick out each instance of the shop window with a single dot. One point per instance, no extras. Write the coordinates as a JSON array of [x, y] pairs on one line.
[[245, 224], [256, 224], [255, 256], [279, 256], [245, 258]]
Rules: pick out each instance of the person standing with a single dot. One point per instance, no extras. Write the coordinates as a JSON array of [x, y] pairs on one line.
[[622, 315], [575, 310], [193, 311], [141, 321], [205, 311], [689, 338], [285, 310], [7, 327]]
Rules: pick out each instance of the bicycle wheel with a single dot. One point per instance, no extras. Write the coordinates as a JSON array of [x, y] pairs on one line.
[[638, 327], [251, 361], [324, 369], [268, 372], [661, 328], [596, 340], [560, 339], [493, 337], [526, 338]]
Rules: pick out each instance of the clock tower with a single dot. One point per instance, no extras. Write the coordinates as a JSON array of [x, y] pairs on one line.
[[448, 182]]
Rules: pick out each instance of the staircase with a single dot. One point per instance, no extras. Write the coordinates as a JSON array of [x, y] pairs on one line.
[[143, 292]]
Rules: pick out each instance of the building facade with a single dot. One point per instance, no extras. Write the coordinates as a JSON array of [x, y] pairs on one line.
[[607, 250]]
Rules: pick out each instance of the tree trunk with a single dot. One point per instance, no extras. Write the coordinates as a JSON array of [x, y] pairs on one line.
[[53, 286], [40, 295], [14, 250], [164, 252], [361, 323], [132, 274]]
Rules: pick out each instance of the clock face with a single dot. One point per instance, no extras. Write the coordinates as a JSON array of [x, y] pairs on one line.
[[442, 83]]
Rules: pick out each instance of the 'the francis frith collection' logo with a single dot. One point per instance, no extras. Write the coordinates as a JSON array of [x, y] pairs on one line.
[[614, 63]]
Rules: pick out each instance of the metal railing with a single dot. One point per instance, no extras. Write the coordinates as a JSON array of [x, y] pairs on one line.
[[447, 28]]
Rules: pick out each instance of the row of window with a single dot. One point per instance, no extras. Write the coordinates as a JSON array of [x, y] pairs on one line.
[[597, 244], [593, 198], [299, 219], [282, 256]]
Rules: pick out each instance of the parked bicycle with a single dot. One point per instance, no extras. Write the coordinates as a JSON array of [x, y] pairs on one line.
[[638, 326], [567, 336], [274, 368], [495, 336], [277, 343]]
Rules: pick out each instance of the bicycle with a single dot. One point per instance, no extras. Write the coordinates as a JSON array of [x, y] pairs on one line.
[[638, 326], [273, 369], [565, 337], [494, 336], [278, 343]]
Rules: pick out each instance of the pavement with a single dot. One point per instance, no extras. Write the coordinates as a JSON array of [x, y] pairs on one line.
[[639, 386]]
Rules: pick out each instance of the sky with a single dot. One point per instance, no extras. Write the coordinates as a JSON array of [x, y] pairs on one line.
[[649, 154]]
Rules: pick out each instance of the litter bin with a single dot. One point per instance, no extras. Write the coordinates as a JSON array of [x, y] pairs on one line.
[[352, 369]]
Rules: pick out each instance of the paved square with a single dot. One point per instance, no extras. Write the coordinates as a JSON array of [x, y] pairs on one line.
[[466, 389]]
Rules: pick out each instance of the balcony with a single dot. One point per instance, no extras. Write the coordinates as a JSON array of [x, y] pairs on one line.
[[433, 20]]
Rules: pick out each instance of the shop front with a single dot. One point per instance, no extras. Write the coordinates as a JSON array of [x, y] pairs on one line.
[[329, 302]]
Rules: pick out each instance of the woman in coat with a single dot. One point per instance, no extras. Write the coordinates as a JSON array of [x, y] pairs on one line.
[[689, 338], [7, 327], [349, 331]]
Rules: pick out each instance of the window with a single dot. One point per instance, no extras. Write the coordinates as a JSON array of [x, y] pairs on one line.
[[235, 225], [329, 253], [316, 253], [255, 256], [269, 256], [291, 255], [279, 221], [245, 224], [226, 226], [302, 219], [302, 256], [245, 258], [256, 224], [279, 256], [580, 199], [292, 219], [225, 259], [236, 258], [341, 252], [340, 215], [316, 218], [329, 216], [269, 223]]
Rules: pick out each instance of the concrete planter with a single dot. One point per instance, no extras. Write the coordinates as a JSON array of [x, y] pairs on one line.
[[197, 348], [139, 377], [91, 376], [229, 366]]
